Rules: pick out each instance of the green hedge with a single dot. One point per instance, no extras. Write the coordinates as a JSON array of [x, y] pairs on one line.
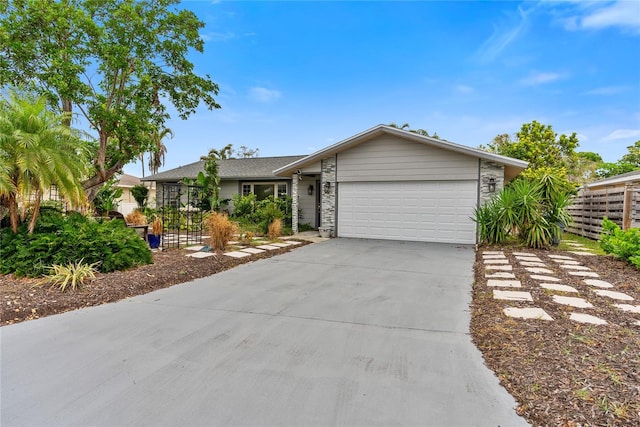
[[623, 244], [62, 239]]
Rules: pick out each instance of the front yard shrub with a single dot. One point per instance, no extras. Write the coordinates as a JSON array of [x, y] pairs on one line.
[[136, 218], [275, 229], [222, 230], [623, 244], [533, 210], [61, 240], [262, 213]]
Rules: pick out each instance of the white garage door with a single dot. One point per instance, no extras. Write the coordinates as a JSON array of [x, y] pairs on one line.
[[424, 211]]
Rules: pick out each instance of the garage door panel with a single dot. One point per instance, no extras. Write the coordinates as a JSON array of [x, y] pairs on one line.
[[430, 211]]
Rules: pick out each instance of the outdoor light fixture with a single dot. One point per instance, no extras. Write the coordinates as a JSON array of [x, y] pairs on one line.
[[492, 185], [327, 187], [310, 190]]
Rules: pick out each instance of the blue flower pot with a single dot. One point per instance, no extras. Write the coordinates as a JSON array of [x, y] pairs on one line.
[[154, 240]]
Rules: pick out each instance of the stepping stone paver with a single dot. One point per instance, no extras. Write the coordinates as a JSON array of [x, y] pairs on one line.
[[484, 256], [574, 244], [268, 247], [587, 318], [566, 261], [194, 248], [544, 278], [505, 283], [528, 258], [294, 242], [498, 267], [597, 283], [572, 301], [493, 252], [532, 264], [253, 250], [628, 307], [584, 273], [527, 313], [613, 295], [557, 287], [574, 267], [582, 253], [512, 295], [237, 254], [500, 275], [280, 245], [201, 254], [495, 261], [538, 270], [561, 257]]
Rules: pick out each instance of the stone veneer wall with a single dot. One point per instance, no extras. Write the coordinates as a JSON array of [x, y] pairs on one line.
[[294, 203], [328, 200], [489, 169]]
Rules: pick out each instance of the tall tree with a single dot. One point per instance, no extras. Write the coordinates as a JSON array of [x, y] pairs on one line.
[[158, 149], [118, 62], [628, 163], [539, 145], [245, 152], [38, 150], [407, 127]]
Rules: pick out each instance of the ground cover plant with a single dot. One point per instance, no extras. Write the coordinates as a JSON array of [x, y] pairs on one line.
[[563, 373], [623, 244], [63, 239]]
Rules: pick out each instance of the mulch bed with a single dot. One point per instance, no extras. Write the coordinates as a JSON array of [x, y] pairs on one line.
[[22, 300], [563, 373]]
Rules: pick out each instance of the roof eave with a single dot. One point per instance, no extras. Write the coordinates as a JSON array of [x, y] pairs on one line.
[[380, 129]]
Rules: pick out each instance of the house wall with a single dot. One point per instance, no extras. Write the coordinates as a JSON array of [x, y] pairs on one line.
[[306, 202], [488, 170], [389, 158]]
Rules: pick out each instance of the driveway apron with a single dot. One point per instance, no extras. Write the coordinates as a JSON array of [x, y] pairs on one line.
[[343, 332]]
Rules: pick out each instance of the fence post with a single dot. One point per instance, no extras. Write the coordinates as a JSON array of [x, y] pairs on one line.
[[626, 207]]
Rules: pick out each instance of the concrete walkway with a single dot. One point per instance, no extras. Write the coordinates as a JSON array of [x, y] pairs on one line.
[[343, 332]]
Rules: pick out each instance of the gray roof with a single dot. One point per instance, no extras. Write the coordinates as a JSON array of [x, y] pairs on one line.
[[229, 169], [629, 177]]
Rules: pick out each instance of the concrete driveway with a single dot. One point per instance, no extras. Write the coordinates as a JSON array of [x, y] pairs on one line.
[[344, 332]]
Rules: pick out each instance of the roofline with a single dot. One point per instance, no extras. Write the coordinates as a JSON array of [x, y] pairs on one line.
[[620, 179], [381, 129]]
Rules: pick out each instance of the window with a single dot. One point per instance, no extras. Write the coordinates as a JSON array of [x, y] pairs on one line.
[[262, 190]]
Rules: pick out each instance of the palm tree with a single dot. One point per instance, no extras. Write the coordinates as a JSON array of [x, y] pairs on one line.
[[37, 151], [158, 150]]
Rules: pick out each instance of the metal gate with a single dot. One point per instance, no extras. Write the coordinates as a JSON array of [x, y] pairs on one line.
[[182, 215]]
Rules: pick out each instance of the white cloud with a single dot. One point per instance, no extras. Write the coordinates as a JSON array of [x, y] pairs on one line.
[[623, 14], [501, 38], [264, 95], [540, 78], [622, 134], [463, 89], [607, 90]]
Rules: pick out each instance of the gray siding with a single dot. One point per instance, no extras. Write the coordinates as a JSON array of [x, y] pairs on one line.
[[389, 158]]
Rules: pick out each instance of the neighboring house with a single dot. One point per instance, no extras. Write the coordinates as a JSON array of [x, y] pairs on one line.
[[127, 203], [617, 198], [383, 183]]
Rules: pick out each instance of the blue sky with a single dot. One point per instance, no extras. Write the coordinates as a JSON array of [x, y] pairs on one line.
[[295, 77]]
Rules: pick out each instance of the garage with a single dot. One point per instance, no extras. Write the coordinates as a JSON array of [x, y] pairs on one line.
[[388, 183], [423, 211]]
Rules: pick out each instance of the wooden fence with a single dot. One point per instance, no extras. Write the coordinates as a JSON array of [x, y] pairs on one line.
[[620, 204]]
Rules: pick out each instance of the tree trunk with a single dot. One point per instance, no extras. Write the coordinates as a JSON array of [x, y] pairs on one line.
[[13, 213], [36, 212], [67, 107]]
